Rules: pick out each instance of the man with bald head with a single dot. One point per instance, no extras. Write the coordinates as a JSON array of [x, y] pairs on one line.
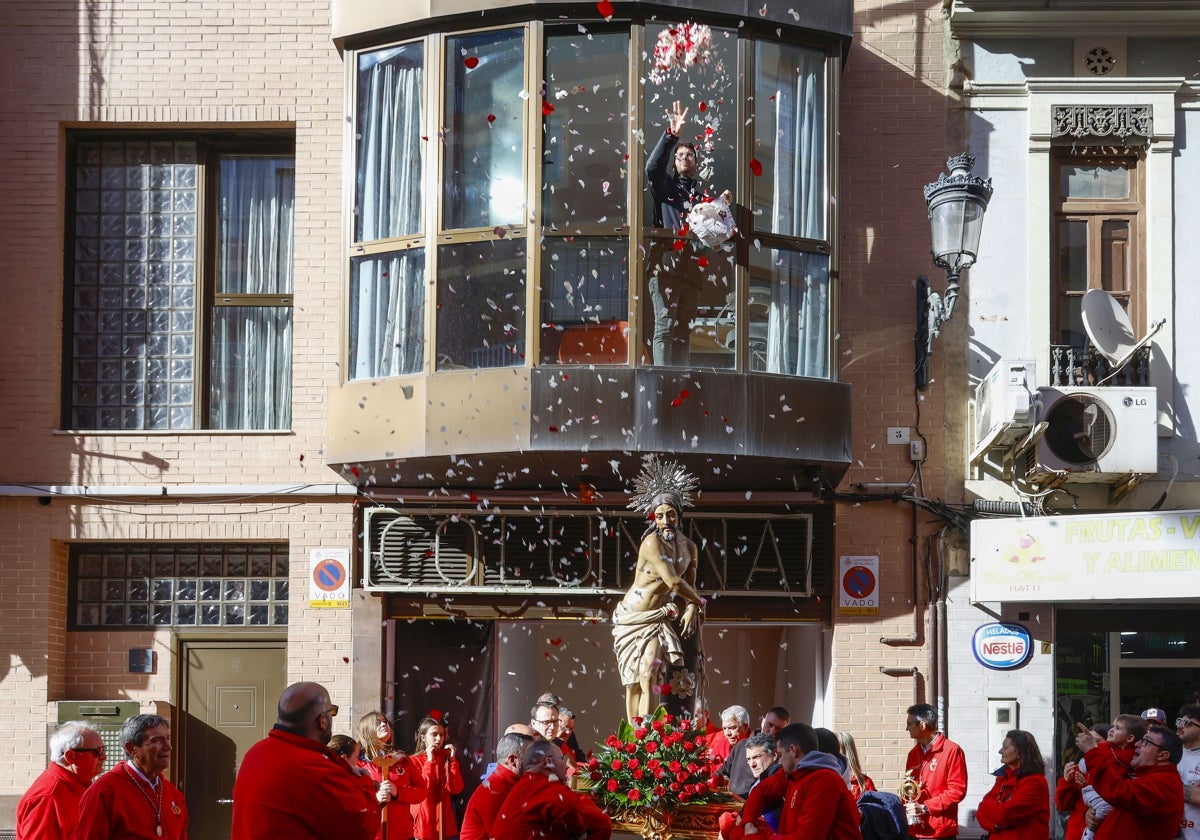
[[292, 785]]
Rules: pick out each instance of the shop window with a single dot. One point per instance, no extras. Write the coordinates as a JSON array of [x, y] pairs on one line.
[[116, 586], [162, 336], [1098, 236]]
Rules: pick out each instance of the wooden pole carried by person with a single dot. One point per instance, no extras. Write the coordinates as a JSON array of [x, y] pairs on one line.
[[385, 762]]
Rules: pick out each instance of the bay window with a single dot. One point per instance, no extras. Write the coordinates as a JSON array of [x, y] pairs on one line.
[[518, 197]]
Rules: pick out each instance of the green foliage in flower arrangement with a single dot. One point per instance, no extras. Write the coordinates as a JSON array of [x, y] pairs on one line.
[[657, 762]]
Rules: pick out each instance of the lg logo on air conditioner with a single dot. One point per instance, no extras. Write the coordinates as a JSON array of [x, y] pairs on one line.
[[1130, 402]]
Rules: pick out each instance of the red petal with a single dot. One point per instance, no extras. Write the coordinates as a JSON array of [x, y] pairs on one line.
[[471, 62], [703, 106], [605, 9], [547, 108], [702, 262], [491, 118], [677, 402], [685, 393], [755, 167], [679, 243]]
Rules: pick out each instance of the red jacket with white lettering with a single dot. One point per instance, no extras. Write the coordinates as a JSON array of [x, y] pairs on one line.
[[1017, 807], [942, 772]]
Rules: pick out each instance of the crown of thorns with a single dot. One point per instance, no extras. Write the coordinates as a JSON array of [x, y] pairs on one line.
[[662, 481]]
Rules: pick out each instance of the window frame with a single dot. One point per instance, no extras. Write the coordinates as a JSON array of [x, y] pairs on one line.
[[641, 124], [1095, 212], [211, 148]]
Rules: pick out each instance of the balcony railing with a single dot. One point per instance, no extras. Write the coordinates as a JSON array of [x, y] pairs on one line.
[[1072, 367]]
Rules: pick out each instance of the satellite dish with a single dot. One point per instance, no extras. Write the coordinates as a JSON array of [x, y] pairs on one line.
[[1108, 327]]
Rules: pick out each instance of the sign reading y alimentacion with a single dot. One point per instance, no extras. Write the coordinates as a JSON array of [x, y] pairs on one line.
[[1086, 558]]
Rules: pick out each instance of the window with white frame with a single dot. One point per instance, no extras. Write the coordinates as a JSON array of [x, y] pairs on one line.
[[179, 302]]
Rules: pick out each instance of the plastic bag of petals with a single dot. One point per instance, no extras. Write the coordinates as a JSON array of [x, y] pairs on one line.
[[679, 48], [711, 221]]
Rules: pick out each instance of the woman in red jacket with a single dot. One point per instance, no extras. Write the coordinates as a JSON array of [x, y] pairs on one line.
[[374, 734], [434, 816], [1018, 805]]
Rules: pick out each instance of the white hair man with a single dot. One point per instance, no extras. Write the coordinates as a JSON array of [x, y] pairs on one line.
[[49, 810]]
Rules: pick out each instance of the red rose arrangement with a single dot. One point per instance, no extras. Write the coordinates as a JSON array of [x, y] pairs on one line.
[[659, 761]]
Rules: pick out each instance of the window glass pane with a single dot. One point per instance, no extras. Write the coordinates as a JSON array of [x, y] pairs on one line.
[[254, 225], [585, 300], [788, 312], [691, 314], [390, 151], [1072, 255], [133, 258], [789, 142], [1091, 181], [251, 368], [1114, 256], [586, 154], [483, 143], [387, 314], [481, 304]]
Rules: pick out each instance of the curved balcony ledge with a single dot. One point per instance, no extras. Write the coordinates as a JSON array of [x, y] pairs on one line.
[[351, 18], [528, 428]]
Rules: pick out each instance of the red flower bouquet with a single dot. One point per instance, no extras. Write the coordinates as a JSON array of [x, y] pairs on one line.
[[660, 761]]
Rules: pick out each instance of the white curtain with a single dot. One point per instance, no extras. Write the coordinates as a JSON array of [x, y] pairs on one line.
[[798, 323], [252, 345], [390, 148], [387, 315], [387, 291]]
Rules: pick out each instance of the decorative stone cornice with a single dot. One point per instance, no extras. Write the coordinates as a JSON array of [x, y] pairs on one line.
[[1120, 122]]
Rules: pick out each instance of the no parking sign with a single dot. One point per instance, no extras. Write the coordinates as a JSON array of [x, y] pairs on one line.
[[858, 582], [329, 579]]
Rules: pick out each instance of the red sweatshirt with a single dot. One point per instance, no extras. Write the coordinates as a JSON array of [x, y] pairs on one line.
[[294, 787], [1017, 807], [485, 804], [442, 779], [50, 808], [119, 806], [411, 790], [539, 809], [1068, 796], [942, 772], [815, 801], [1147, 802]]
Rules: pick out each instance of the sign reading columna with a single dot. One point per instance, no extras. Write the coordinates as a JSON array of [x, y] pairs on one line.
[[1001, 646]]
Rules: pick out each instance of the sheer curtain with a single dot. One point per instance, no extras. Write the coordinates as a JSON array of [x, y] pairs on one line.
[[798, 324], [387, 293], [252, 344], [387, 315]]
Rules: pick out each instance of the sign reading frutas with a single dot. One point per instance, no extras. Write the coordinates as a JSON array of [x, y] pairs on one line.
[[329, 580], [1002, 646]]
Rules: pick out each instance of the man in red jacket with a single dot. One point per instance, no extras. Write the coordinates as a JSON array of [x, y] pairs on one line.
[[939, 765], [134, 800], [50, 808], [291, 785], [810, 789], [1148, 800], [541, 807], [485, 802]]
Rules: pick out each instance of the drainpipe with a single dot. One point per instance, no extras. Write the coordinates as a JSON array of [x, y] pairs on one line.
[[915, 638], [943, 634], [915, 673]]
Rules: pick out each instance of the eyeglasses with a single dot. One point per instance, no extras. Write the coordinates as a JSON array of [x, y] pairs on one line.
[[331, 711], [1143, 741], [1183, 723], [546, 722], [92, 750]]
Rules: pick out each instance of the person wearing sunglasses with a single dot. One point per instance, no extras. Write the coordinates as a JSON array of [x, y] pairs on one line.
[[50, 808], [1187, 727], [1146, 797], [291, 784]]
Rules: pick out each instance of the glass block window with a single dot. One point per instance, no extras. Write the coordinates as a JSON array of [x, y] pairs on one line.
[[122, 586], [165, 332]]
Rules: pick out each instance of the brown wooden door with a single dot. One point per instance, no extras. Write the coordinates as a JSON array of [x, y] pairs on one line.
[[230, 694]]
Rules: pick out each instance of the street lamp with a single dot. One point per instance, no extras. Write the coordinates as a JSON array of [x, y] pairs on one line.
[[956, 205]]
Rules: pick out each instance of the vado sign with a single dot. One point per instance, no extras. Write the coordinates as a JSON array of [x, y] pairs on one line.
[[1002, 646]]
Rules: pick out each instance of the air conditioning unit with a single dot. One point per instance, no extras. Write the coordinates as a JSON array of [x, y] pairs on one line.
[[1096, 434], [1004, 405]]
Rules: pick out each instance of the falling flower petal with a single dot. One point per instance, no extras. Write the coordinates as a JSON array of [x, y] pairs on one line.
[[755, 167], [605, 9], [491, 118], [471, 62], [547, 108]]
